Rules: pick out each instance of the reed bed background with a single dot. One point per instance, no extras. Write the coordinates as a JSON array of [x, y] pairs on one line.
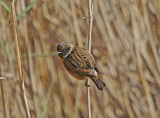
[[125, 44]]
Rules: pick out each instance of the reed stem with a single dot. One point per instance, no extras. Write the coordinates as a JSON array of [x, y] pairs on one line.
[[89, 49], [19, 61]]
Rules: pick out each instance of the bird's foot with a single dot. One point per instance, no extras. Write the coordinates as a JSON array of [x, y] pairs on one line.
[[86, 84]]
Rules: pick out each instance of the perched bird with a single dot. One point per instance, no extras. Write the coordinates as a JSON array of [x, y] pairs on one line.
[[79, 63]]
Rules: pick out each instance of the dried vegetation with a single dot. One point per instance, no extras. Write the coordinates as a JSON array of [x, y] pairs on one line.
[[125, 43]]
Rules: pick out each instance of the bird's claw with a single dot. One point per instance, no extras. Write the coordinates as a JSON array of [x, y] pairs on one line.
[[86, 84]]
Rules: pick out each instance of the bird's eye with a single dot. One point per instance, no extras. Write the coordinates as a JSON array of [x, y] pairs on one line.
[[65, 49]]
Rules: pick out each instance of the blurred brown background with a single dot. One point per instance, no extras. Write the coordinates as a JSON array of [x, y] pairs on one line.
[[125, 44]]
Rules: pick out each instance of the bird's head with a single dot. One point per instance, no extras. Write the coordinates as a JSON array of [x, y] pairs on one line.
[[64, 49]]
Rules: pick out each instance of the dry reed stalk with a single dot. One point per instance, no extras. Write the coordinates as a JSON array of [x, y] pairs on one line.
[[138, 52], [89, 49], [19, 60], [151, 39], [51, 18], [30, 61], [77, 100], [2, 94], [75, 22]]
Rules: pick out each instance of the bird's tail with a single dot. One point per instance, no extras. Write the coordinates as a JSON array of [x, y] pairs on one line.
[[99, 83]]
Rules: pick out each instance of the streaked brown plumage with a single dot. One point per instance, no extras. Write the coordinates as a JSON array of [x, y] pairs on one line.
[[79, 63]]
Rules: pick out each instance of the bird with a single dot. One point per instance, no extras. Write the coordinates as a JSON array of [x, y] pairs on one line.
[[79, 63]]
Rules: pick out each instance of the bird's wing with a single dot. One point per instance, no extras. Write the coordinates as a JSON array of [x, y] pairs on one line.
[[80, 62]]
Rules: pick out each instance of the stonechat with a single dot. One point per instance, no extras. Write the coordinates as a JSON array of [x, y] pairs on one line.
[[79, 63]]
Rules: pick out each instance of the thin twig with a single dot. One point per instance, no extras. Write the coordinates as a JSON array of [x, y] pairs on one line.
[[19, 61], [2, 95], [90, 25], [89, 49]]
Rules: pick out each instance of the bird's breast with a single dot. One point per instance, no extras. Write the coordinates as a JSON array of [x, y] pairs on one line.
[[79, 77]]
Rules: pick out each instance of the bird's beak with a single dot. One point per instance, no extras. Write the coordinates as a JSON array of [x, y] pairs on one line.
[[58, 52]]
